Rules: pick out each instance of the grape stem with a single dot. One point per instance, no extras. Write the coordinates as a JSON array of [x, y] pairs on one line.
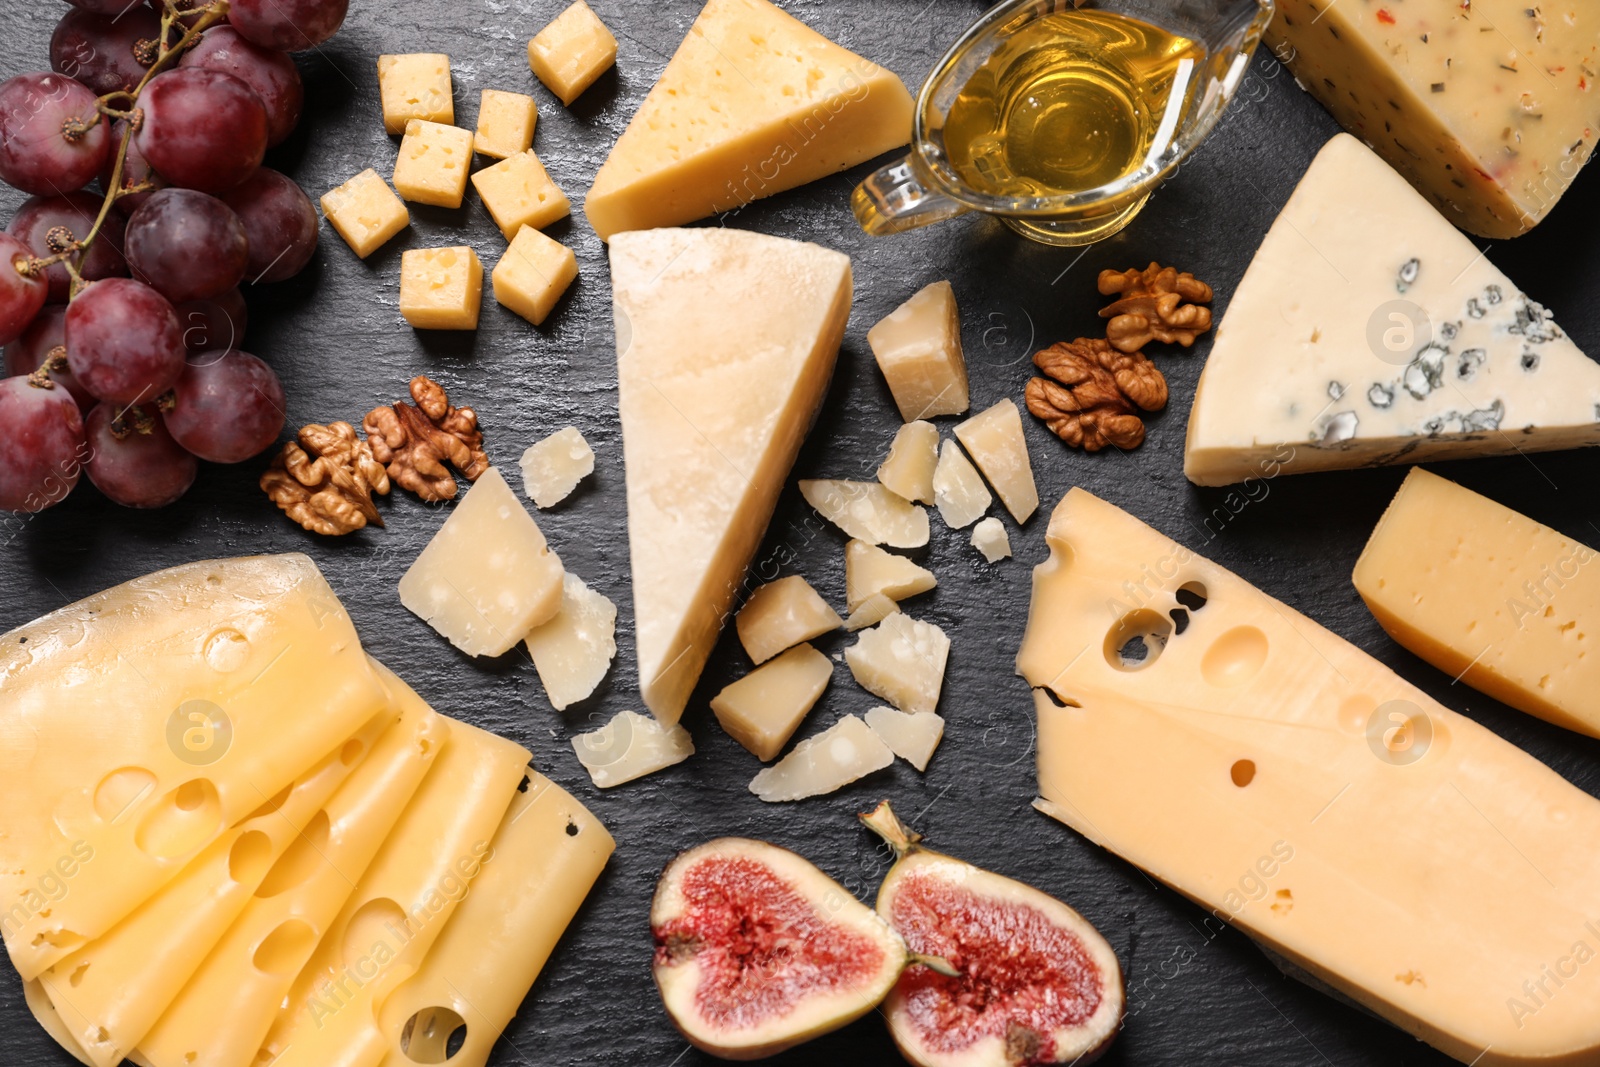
[[55, 361]]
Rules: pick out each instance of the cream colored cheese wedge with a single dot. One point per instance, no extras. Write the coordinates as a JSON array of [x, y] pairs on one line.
[[1300, 790], [753, 102], [573, 651], [867, 511], [869, 571], [908, 469], [631, 746], [993, 437], [1490, 597], [1368, 331], [901, 660], [831, 760], [762, 710], [912, 737], [782, 614], [725, 344], [957, 489]]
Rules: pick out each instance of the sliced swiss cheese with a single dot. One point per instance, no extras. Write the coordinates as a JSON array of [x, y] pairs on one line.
[[1495, 599], [754, 102], [138, 725], [1368, 331], [725, 343], [1297, 788]]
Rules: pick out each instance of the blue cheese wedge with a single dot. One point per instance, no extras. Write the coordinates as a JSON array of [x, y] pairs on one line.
[[1368, 331]]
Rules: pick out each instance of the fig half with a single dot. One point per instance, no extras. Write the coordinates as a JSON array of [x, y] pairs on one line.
[[1035, 982], [756, 950]]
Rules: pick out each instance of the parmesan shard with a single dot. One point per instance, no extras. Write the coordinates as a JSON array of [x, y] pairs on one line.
[[869, 571], [868, 512], [573, 650], [990, 538], [553, 466], [831, 760], [908, 470], [762, 710], [872, 611], [918, 349], [993, 438], [957, 489], [911, 737], [631, 746], [782, 614], [902, 660], [753, 102], [726, 340]]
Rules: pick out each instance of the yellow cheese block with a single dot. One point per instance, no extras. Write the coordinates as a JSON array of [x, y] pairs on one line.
[[725, 343], [1503, 603], [138, 725], [400, 906], [222, 1016], [1300, 790], [546, 857], [754, 102]]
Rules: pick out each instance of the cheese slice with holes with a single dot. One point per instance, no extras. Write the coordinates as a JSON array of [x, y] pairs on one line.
[[725, 344], [1368, 331], [1297, 788], [754, 102], [547, 854], [223, 1014], [138, 725]]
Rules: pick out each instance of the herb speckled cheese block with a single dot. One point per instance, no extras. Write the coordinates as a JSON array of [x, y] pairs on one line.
[[754, 102], [1489, 107], [1368, 331], [1301, 791], [726, 341]]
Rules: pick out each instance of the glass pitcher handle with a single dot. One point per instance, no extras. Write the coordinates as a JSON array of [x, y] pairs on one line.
[[894, 199]]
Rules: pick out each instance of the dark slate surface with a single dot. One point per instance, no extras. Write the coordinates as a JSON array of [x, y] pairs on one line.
[[1198, 995]]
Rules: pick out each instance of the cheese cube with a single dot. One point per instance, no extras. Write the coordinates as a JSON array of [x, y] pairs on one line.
[[553, 467], [572, 52], [415, 86], [519, 193], [781, 614], [918, 348], [487, 578], [844, 752], [868, 511], [433, 163], [901, 660], [994, 439], [869, 571], [441, 288], [762, 710], [908, 470], [872, 611], [573, 650], [630, 746], [533, 274], [911, 737], [505, 123], [957, 489], [365, 212], [990, 538]]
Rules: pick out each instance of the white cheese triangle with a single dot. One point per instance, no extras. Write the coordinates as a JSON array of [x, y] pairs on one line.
[[1369, 331], [725, 344]]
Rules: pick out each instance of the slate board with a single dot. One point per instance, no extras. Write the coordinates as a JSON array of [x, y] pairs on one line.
[[1198, 995]]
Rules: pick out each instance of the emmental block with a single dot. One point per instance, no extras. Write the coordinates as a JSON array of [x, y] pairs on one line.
[[918, 349], [441, 288], [365, 212], [415, 86], [533, 274], [571, 53], [433, 163], [505, 123], [518, 192]]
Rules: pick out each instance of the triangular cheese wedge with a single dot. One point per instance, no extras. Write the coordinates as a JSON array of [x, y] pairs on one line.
[[1369, 331], [725, 343], [753, 103]]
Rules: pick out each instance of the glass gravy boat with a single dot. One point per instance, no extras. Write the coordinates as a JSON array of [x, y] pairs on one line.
[[927, 187]]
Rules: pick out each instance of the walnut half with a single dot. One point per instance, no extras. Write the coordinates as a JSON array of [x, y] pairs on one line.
[[419, 443], [1151, 307], [325, 479], [1096, 393]]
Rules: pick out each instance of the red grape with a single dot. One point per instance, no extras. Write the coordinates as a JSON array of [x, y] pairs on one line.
[[215, 323], [288, 25], [270, 74], [136, 170], [202, 129], [107, 53], [21, 296], [74, 213], [44, 335], [280, 223], [42, 451], [187, 245], [227, 406], [134, 460], [123, 341], [50, 141]]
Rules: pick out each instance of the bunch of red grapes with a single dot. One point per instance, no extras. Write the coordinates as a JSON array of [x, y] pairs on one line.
[[120, 309]]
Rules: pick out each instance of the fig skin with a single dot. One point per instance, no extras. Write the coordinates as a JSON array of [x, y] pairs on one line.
[[677, 983], [1019, 1046]]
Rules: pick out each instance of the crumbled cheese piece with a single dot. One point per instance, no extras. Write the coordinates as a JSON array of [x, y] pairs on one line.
[[901, 660], [911, 737], [869, 512], [781, 614], [989, 537], [573, 650], [553, 467], [630, 746], [957, 489], [844, 752]]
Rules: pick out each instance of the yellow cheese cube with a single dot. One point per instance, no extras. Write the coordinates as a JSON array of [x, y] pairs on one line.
[[505, 123], [415, 86], [570, 53], [519, 193], [441, 288], [433, 163], [533, 274], [365, 212]]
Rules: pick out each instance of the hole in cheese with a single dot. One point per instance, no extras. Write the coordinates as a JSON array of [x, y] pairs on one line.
[[120, 790], [1243, 772], [272, 805], [1235, 657], [285, 949], [1191, 595], [433, 1035], [249, 857], [182, 821], [377, 922], [300, 860], [1136, 641], [351, 752]]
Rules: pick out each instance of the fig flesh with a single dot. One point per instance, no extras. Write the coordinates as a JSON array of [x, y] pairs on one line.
[[756, 950], [1036, 983]]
